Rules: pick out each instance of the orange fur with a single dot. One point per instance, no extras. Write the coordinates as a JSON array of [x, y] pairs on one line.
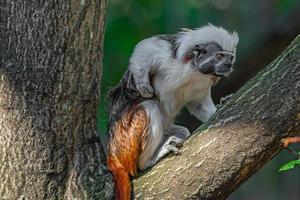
[[124, 148]]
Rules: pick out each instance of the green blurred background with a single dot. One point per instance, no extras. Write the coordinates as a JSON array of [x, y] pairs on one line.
[[265, 28]]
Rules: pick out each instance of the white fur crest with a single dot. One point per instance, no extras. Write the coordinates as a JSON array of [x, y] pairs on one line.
[[209, 33]]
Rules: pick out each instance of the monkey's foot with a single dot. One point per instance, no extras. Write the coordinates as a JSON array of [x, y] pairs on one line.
[[171, 145]]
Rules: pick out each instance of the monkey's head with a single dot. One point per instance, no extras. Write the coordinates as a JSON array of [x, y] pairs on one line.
[[209, 50]]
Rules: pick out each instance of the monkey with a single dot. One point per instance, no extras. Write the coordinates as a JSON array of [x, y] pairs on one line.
[[165, 73]]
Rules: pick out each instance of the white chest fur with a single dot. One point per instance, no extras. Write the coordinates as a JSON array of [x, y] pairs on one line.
[[177, 85]]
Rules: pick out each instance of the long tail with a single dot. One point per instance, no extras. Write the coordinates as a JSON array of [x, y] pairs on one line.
[[121, 180], [123, 187], [124, 147]]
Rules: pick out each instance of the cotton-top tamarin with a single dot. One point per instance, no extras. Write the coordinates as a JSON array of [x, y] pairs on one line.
[[166, 72]]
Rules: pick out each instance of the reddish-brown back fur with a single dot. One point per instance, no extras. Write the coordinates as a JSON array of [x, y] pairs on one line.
[[126, 141]]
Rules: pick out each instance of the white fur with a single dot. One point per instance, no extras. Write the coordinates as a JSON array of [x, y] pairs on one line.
[[149, 52], [178, 84], [156, 129], [209, 33]]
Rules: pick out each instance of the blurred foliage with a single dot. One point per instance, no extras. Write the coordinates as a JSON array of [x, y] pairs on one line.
[[257, 22]]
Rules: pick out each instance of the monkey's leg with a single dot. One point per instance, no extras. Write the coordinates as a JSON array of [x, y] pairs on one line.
[[152, 140], [176, 135], [171, 145], [159, 142], [179, 131]]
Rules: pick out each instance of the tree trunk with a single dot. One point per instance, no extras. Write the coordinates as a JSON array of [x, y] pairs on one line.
[[238, 140], [50, 72]]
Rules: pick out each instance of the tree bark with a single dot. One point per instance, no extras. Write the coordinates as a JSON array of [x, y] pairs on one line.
[[237, 141], [50, 73]]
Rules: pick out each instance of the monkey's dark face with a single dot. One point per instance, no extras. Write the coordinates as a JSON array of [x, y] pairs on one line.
[[210, 58]]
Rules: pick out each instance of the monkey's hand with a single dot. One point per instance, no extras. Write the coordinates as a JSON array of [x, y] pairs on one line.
[[145, 89], [223, 100]]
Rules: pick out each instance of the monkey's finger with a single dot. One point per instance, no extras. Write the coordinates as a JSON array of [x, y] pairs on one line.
[[146, 91], [173, 149], [175, 141]]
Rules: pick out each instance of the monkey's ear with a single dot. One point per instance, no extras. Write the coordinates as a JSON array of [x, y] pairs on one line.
[[189, 56], [197, 51]]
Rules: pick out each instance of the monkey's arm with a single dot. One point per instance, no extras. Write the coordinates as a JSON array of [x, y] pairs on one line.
[[145, 61], [202, 109]]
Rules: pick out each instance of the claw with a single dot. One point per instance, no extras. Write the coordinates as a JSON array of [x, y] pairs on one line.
[[173, 149]]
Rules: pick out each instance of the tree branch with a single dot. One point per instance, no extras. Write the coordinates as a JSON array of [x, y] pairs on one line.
[[237, 141]]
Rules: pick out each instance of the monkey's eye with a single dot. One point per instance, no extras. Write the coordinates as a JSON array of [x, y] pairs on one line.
[[199, 51], [196, 53], [231, 58], [220, 56]]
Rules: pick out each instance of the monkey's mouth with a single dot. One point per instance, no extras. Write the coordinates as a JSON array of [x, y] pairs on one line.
[[222, 71]]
